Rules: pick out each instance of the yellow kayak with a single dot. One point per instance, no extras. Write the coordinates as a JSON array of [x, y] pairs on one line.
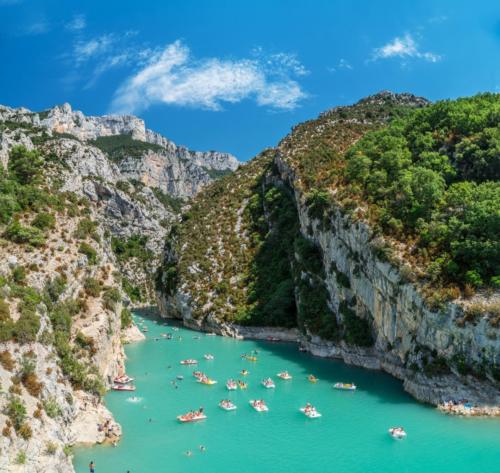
[[251, 358]]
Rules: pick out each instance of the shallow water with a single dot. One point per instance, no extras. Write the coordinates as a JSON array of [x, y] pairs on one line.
[[350, 437]]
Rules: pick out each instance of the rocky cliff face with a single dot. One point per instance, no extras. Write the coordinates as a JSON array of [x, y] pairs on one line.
[[329, 271], [174, 169]]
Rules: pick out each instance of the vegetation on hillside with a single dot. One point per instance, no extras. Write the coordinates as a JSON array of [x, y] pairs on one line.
[[119, 147]]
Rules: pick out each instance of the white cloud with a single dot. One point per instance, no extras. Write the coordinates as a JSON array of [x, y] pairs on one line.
[[173, 77], [341, 65], [404, 47], [77, 23], [84, 50]]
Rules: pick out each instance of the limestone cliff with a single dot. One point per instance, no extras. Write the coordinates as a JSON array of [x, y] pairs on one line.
[[289, 243]]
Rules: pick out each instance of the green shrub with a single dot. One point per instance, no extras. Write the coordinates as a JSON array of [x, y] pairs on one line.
[[50, 448], [19, 274], [44, 221], [18, 233], [133, 247], [89, 252], [25, 166], [25, 431], [125, 318], [16, 411], [51, 407], [92, 287], [21, 457], [27, 326], [86, 228], [111, 297]]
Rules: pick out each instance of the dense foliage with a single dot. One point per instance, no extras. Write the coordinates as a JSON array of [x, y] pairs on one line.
[[119, 147], [434, 176]]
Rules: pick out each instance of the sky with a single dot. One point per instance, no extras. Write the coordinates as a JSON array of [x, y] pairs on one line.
[[236, 75]]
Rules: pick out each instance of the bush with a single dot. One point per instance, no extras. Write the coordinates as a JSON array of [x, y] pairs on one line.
[[21, 457], [133, 247], [7, 361], [89, 252], [55, 287], [27, 326], [18, 233], [19, 274], [25, 166], [44, 221], [111, 297], [25, 431], [86, 228], [92, 287], [32, 385], [125, 318], [356, 330], [52, 408], [16, 411], [50, 448]]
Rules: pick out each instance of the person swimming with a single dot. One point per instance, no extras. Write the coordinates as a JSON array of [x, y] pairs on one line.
[[202, 448], [189, 453], [92, 467]]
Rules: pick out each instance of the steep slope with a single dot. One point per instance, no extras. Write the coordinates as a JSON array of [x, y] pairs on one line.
[[138, 178], [350, 230]]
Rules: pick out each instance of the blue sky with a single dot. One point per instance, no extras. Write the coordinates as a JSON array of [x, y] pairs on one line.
[[236, 75]]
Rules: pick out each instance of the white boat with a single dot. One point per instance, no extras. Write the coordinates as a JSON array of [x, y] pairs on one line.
[[310, 412], [345, 386], [231, 385], [192, 417], [123, 379], [180, 377], [259, 406], [284, 375], [268, 383], [397, 432], [208, 357], [189, 362], [123, 387], [227, 405], [211, 334], [207, 381]]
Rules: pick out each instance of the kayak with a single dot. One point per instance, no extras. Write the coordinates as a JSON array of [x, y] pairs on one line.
[[191, 417], [242, 385], [312, 378], [244, 372], [284, 375], [189, 362], [123, 387], [268, 383], [231, 385], [123, 379], [259, 406], [397, 432], [227, 405], [345, 386], [251, 358], [312, 413], [180, 377]]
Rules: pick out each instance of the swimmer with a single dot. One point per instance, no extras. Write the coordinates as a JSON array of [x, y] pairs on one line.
[[189, 453], [202, 448]]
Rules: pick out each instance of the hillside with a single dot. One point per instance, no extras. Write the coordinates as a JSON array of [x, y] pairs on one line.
[[373, 229], [81, 238]]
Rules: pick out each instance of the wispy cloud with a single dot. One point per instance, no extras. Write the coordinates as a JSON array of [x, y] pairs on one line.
[[173, 77], [86, 49], [405, 48], [77, 23], [342, 65], [36, 28]]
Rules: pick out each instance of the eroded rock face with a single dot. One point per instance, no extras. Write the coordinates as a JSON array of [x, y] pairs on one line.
[[174, 169]]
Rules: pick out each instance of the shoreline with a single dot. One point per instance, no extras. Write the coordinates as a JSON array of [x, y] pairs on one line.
[[439, 391]]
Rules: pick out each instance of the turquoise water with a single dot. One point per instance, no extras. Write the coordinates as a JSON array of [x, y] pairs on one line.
[[350, 437]]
